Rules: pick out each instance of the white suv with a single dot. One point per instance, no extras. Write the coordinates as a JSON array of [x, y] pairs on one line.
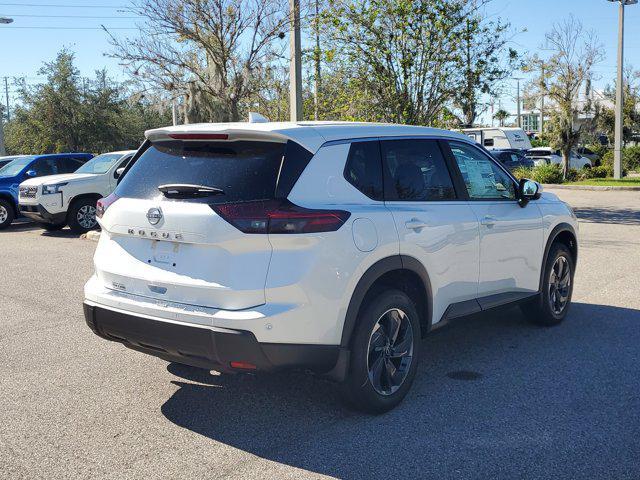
[[547, 155], [333, 247], [57, 200]]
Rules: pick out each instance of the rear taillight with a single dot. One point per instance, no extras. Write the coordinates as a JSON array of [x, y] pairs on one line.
[[105, 203], [280, 216]]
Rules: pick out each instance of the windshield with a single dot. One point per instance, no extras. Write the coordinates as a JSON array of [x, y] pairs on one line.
[[100, 164], [13, 168]]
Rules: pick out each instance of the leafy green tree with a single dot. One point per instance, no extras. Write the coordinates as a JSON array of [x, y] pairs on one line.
[[71, 113], [574, 52], [501, 115], [630, 110], [403, 55], [485, 61]]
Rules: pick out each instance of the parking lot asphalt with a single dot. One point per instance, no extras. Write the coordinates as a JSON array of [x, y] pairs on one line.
[[495, 397]]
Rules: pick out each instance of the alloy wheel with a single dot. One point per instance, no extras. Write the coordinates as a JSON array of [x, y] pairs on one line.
[[390, 351], [87, 216], [3, 214], [559, 285]]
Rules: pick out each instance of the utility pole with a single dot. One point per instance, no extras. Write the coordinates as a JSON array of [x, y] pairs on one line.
[[6, 96], [295, 66], [542, 102], [617, 150], [174, 111], [518, 100], [316, 58], [3, 152], [492, 104]]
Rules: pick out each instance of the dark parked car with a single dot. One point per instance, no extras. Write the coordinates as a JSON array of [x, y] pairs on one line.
[[512, 158]]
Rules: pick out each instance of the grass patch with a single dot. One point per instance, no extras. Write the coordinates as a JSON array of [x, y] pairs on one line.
[[609, 182]]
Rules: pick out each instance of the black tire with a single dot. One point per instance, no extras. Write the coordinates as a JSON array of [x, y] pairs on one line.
[[548, 309], [78, 213], [52, 227], [382, 312], [6, 213]]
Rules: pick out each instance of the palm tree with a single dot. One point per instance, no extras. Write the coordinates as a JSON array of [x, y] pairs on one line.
[[501, 116]]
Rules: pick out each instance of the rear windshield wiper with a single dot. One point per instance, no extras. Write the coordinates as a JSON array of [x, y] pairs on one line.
[[185, 190]]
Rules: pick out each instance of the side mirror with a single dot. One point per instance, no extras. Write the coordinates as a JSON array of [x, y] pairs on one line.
[[31, 173], [119, 172], [528, 190]]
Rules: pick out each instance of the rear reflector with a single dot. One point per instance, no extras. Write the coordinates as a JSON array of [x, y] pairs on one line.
[[199, 136], [280, 216], [243, 365], [105, 203]]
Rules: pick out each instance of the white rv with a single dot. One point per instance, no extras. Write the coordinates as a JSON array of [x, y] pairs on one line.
[[500, 137]]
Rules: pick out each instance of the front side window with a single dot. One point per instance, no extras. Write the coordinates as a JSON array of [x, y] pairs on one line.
[[418, 170], [484, 179], [363, 169]]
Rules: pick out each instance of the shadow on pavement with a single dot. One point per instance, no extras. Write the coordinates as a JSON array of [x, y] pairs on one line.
[[495, 397], [22, 226], [621, 216]]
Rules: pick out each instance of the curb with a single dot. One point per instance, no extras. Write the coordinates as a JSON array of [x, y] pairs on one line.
[[93, 235], [589, 187]]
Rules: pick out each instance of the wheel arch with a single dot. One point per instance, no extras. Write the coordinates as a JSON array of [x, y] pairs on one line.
[[78, 198], [563, 233], [9, 198], [399, 271], [82, 196]]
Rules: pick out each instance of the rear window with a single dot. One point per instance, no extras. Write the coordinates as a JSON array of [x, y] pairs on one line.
[[244, 170]]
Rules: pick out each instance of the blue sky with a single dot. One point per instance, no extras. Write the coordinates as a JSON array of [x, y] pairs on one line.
[[24, 49]]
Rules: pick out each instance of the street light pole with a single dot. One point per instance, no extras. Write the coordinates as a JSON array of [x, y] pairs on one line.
[[295, 67], [618, 135], [519, 113], [3, 20]]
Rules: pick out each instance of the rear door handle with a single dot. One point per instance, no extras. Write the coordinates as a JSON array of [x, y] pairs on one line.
[[415, 224], [488, 220]]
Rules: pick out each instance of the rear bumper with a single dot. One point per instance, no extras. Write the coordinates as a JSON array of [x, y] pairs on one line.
[[203, 346], [41, 214]]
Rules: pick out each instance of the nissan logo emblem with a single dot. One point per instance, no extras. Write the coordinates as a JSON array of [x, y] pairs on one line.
[[154, 215]]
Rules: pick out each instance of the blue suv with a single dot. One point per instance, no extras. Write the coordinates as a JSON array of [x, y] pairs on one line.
[[29, 166]]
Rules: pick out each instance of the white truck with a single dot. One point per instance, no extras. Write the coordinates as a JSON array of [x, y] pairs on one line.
[[500, 137], [70, 199]]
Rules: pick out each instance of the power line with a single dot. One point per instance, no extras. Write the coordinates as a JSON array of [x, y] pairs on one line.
[[72, 16], [73, 28], [61, 6]]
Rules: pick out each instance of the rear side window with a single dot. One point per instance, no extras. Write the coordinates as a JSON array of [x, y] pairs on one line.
[[69, 165], [244, 170], [363, 169], [417, 169], [45, 166]]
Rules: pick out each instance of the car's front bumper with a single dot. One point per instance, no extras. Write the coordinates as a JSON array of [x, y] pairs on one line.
[[204, 346], [41, 214]]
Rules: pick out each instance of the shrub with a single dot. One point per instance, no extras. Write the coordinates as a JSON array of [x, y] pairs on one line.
[[602, 171], [607, 161], [522, 172], [551, 173], [599, 150], [631, 158], [539, 142]]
